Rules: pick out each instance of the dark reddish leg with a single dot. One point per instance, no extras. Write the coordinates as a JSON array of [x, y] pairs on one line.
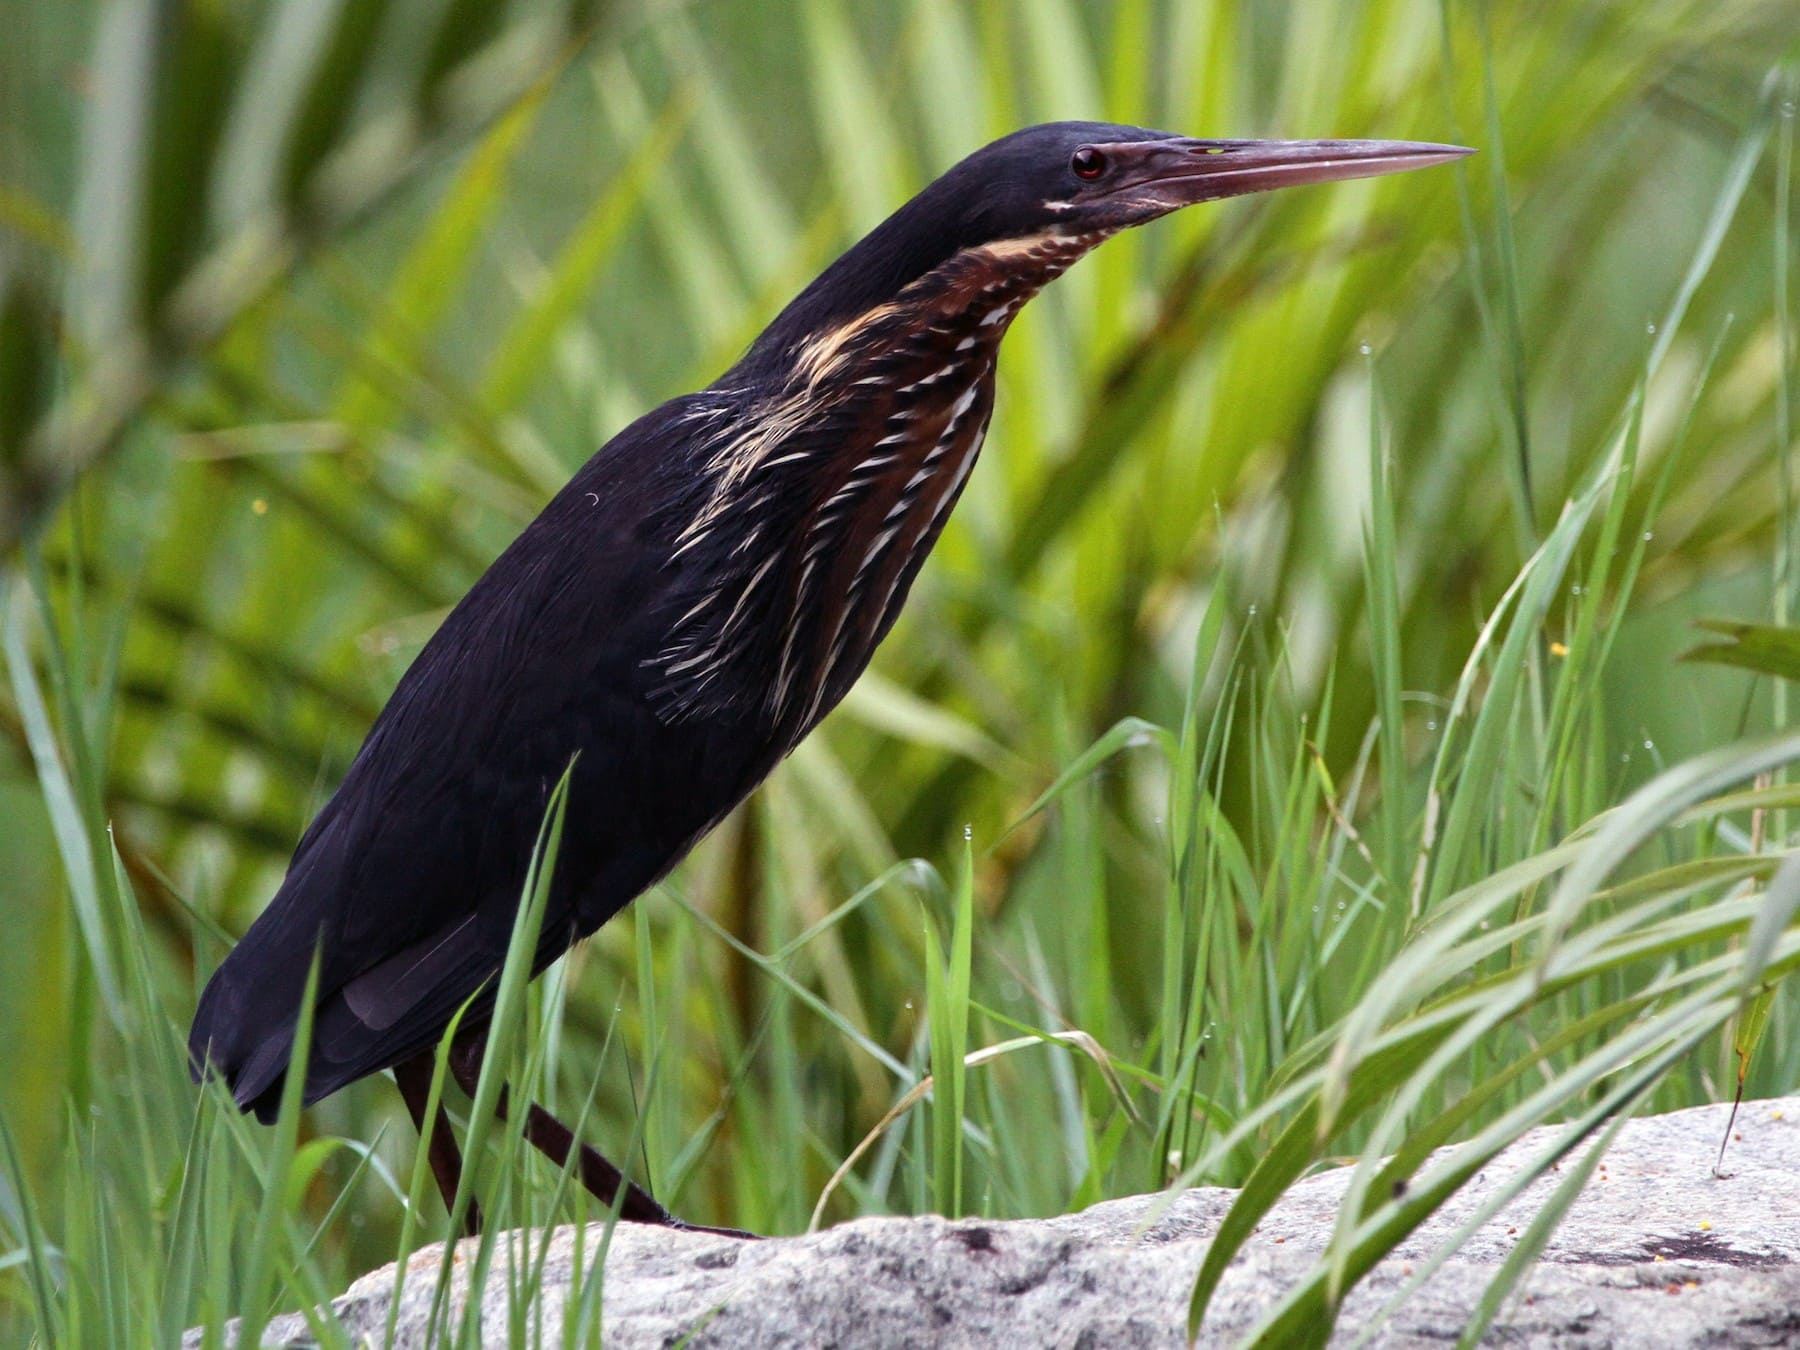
[[414, 1077], [554, 1140]]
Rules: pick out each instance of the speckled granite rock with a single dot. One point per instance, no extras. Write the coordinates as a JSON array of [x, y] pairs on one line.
[[1657, 1252]]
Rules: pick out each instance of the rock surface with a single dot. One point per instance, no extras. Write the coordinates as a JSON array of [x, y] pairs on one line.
[[1658, 1251]]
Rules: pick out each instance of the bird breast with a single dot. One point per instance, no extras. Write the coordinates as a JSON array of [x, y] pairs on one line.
[[795, 572], [822, 501]]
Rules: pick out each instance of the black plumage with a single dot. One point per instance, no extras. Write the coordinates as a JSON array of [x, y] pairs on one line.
[[701, 593]]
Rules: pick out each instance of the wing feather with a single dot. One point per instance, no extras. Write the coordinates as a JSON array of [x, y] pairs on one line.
[[408, 881]]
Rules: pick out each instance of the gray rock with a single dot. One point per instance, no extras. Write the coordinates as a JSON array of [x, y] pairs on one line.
[[1658, 1251]]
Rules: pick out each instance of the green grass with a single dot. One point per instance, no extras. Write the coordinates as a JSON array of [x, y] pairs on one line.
[[1285, 760]]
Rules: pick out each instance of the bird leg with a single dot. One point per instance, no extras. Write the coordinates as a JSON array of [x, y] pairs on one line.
[[555, 1141], [414, 1078]]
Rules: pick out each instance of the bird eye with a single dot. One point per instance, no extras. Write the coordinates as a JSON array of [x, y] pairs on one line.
[[1087, 163]]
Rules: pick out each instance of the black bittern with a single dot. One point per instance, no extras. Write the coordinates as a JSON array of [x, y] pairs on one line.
[[705, 589]]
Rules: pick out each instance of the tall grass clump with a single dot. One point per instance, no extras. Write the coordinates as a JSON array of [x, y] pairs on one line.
[[1286, 760]]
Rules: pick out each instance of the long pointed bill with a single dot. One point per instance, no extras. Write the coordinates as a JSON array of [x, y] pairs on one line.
[[1181, 171]]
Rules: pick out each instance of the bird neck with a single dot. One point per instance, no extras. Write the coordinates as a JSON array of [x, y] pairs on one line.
[[959, 309]]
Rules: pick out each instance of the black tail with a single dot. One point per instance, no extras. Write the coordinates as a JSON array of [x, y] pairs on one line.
[[251, 1065]]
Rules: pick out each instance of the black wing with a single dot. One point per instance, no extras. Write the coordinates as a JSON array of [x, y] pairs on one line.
[[408, 881]]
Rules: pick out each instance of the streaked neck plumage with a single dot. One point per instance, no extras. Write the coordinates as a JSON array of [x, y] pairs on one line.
[[836, 485]]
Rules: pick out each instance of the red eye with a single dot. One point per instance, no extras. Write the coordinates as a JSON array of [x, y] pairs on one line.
[[1087, 163]]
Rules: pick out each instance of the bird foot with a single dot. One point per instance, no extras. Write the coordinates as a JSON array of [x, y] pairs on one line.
[[682, 1226]]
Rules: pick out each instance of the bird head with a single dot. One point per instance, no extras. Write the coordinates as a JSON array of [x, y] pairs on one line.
[[1079, 181], [1084, 177]]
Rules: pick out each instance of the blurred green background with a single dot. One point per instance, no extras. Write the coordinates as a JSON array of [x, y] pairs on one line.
[[330, 435]]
